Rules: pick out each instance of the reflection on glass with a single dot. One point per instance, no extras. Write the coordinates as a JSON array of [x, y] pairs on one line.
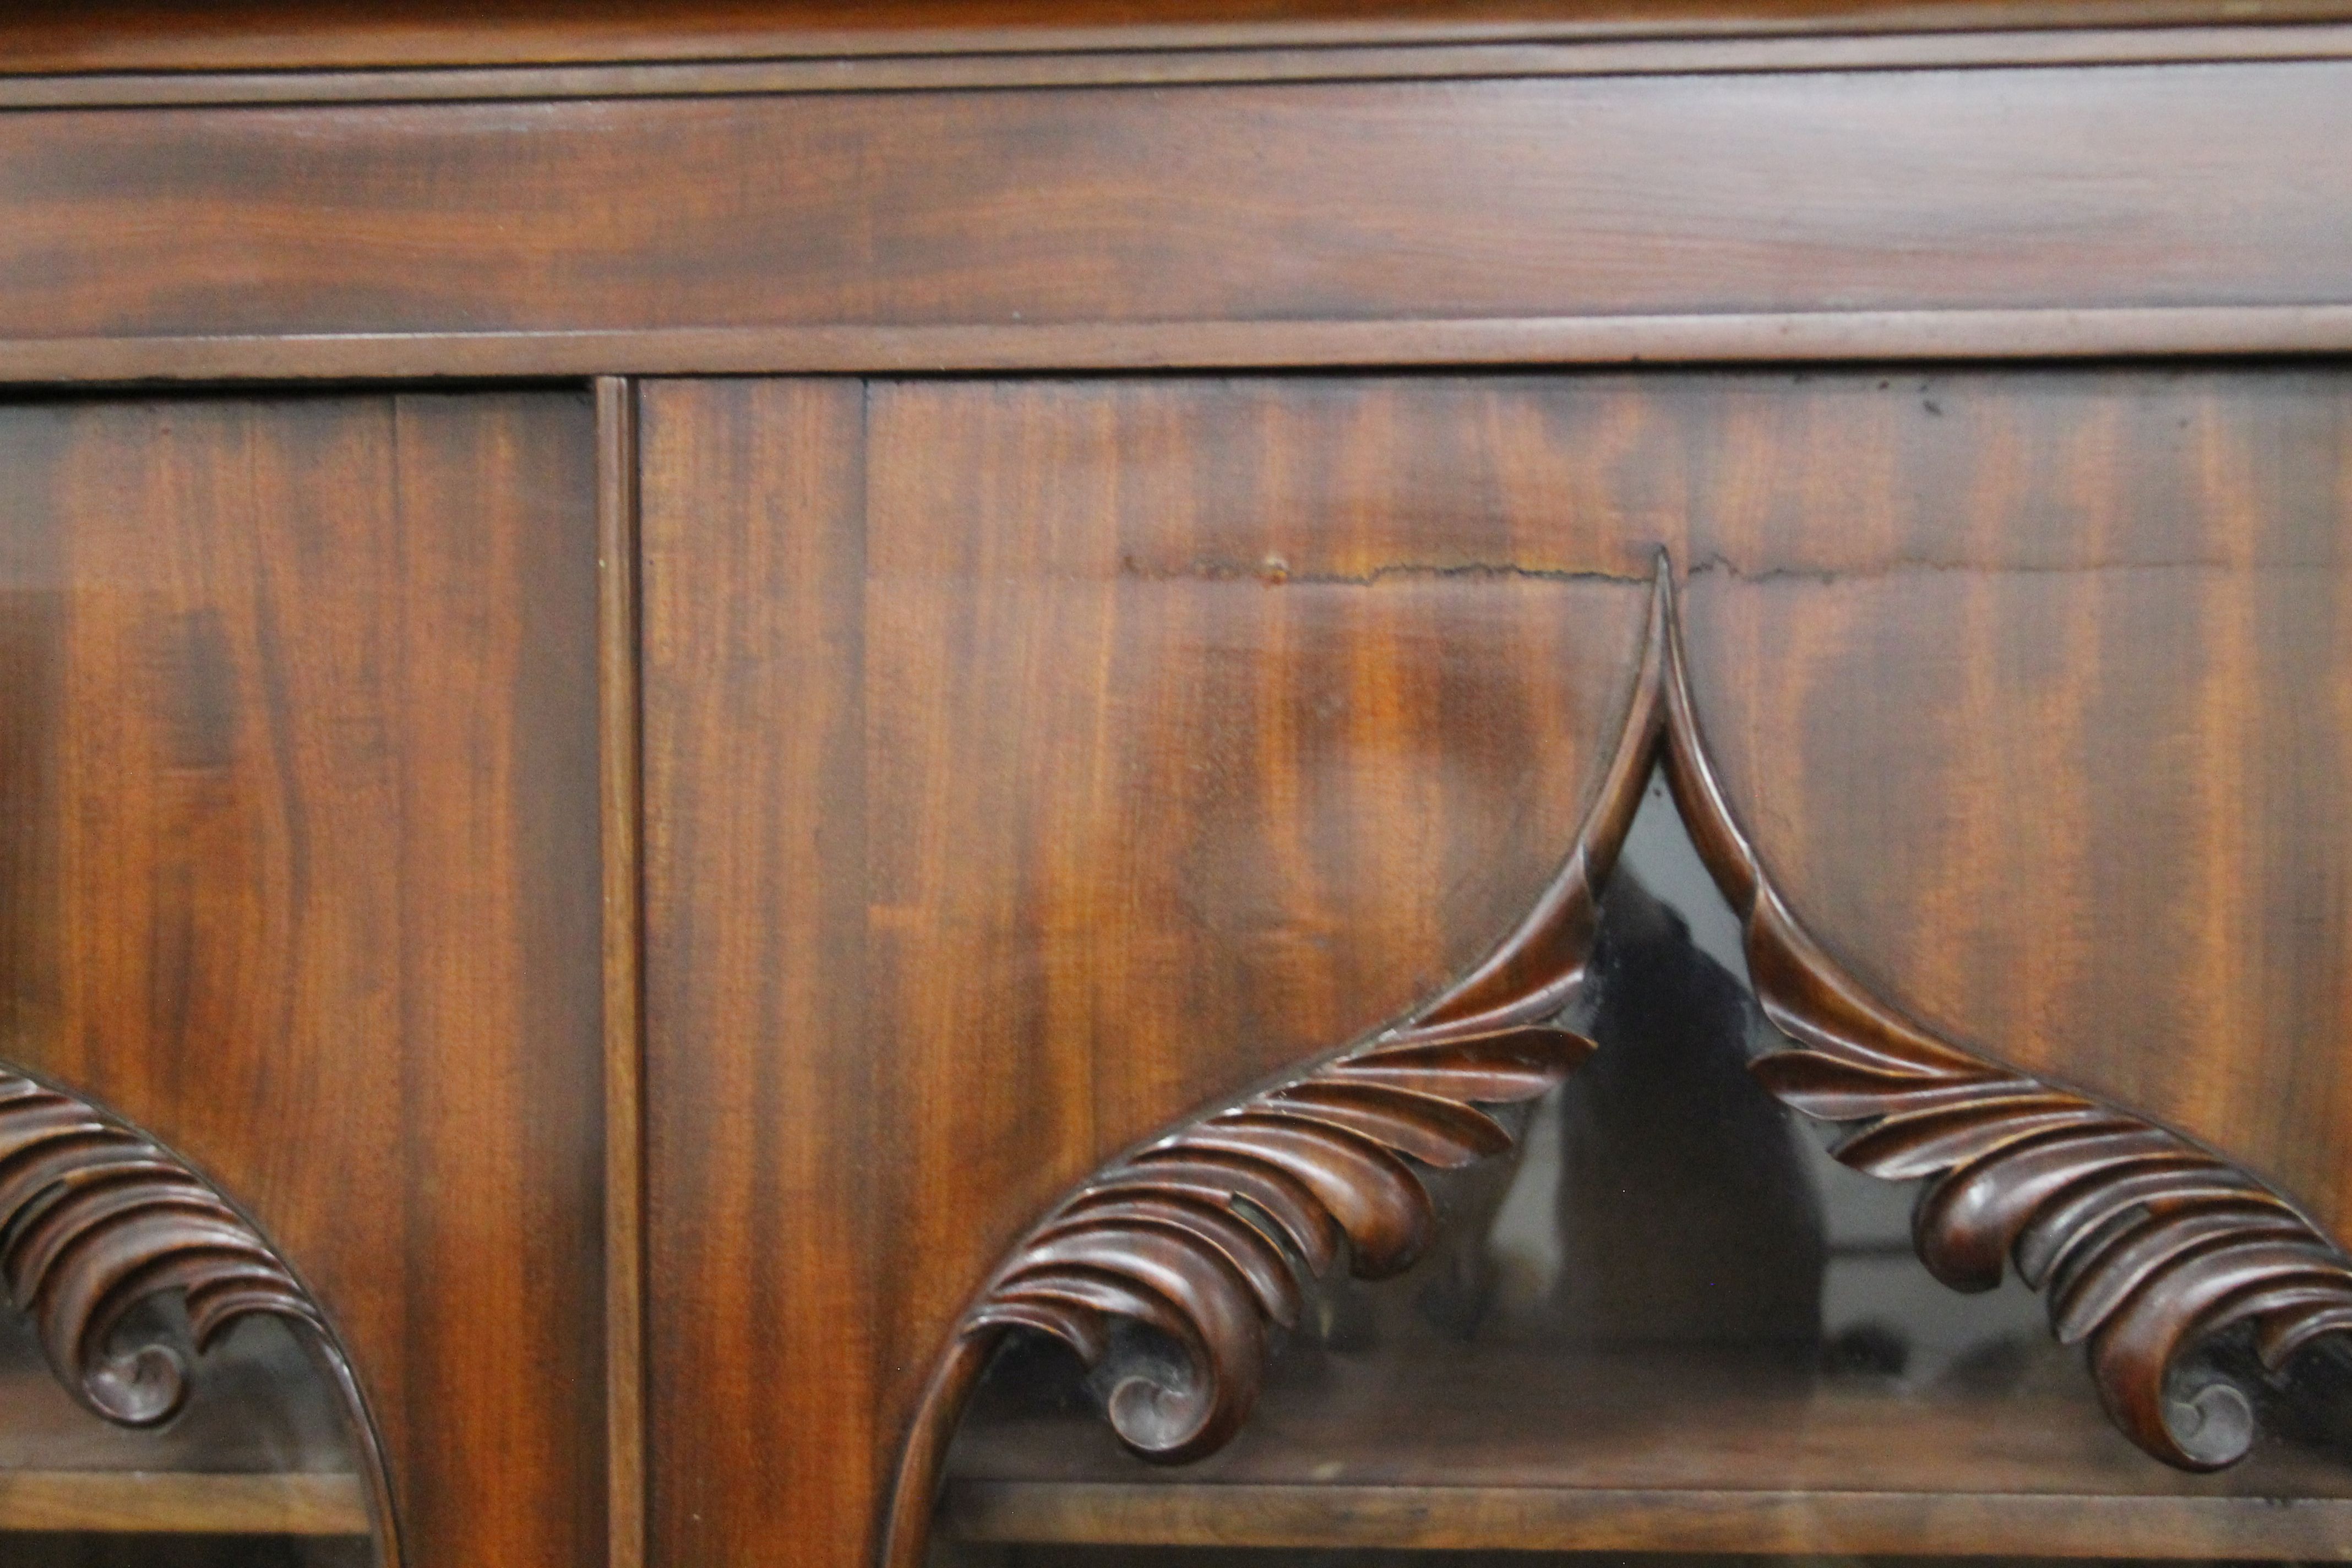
[[1673, 1318], [256, 1470]]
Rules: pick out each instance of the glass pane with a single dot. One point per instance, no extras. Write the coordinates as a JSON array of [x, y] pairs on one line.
[[1672, 1321], [257, 1467]]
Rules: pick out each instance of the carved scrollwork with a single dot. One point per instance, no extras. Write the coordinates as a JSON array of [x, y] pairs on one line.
[[97, 1220], [1200, 1238], [2146, 1245]]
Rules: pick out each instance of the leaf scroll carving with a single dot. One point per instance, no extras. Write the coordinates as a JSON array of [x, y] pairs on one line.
[[1167, 1270], [97, 1220], [1200, 1239], [2145, 1244], [1201, 1235]]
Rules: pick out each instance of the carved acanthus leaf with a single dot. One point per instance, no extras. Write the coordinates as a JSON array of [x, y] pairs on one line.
[[2145, 1244], [96, 1220], [1201, 1238]]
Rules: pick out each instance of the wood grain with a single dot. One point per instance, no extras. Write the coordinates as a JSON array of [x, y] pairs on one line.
[[2148, 1247], [300, 851], [769, 1156], [620, 829], [1614, 340], [1063, 756], [1139, 1517], [1193, 726], [1127, 65], [2034, 697], [63, 35], [182, 1503], [2153, 186]]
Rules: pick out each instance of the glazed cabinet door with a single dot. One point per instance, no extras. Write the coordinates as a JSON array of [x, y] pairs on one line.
[[300, 1128], [1380, 962]]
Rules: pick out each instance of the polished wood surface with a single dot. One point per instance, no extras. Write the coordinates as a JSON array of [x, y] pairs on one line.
[[98, 1227], [1029, 765], [1026, 764], [262, 1447], [181, 1502], [1090, 682], [620, 822], [297, 746], [1178, 1521], [1711, 337], [2121, 187], [1399, 57], [79, 36], [2032, 698], [2149, 1248], [772, 1152]]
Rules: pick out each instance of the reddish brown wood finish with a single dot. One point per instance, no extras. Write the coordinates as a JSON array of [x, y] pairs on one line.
[[1388, 57], [772, 1152], [621, 824], [278, 35], [2032, 698], [1345, 203], [297, 747], [2147, 1245], [99, 1221], [1026, 764], [1070, 681]]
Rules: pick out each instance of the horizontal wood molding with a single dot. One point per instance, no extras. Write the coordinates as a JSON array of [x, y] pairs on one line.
[[2144, 209], [1118, 63], [183, 1502], [1601, 1518], [57, 37], [1821, 335]]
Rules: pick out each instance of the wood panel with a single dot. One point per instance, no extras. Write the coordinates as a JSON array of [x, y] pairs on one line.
[[2125, 187], [1168, 731], [769, 1153], [301, 861], [2036, 692], [1075, 753], [277, 35]]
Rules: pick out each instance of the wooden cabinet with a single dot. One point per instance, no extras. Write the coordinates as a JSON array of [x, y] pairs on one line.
[[943, 783]]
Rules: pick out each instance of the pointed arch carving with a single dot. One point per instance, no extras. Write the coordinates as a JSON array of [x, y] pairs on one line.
[[97, 1219], [2146, 1244]]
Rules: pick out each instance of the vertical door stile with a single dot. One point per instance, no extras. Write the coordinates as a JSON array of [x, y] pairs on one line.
[[620, 769]]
